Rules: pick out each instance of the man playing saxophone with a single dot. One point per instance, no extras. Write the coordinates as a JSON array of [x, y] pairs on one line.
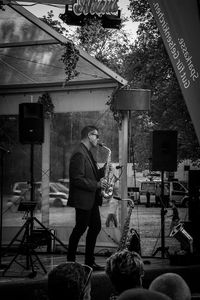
[[86, 183]]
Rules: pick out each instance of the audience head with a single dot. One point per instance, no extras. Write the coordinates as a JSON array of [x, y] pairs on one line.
[[173, 285], [125, 270], [69, 280], [142, 294]]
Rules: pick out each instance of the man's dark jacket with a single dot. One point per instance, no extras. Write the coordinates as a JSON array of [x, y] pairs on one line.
[[83, 175]]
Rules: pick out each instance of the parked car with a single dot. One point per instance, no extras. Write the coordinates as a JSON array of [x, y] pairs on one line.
[[64, 181], [177, 191], [134, 194], [58, 194]]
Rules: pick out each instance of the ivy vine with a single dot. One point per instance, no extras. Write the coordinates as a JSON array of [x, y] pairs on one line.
[[70, 58], [2, 5], [48, 106], [117, 114]]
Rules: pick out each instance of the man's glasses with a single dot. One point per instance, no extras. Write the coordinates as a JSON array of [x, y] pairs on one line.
[[97, 135]]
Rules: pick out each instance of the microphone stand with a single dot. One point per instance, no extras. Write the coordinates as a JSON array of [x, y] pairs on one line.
[[2, 152]]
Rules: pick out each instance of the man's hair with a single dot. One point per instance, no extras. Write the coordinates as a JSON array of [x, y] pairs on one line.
[[172, 285], [125, 269], [86, 130], [66, 281]]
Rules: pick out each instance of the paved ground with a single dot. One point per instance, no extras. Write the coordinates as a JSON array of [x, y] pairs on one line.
[[145, 220]]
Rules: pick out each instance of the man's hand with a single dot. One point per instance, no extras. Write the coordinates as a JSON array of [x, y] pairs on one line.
[[102, 184]]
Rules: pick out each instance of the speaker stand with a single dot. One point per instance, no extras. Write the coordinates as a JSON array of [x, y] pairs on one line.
[[27, 244], [162, 249]]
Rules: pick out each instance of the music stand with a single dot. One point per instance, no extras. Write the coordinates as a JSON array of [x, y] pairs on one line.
[[27, 206]]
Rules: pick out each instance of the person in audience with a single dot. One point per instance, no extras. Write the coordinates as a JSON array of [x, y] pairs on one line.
[[142, 294], [172, 285], [69, 281], [125, 269]]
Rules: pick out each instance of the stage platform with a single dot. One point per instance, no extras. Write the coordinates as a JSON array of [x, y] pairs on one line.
[[17, 283]]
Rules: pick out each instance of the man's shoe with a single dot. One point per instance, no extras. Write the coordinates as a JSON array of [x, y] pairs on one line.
[[96, 267]]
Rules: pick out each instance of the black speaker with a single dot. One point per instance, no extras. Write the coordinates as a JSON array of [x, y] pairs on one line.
[[164, 150], [31, 123]]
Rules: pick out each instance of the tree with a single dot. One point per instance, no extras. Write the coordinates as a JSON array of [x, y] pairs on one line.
[[55, 24], [109, 46], [148, 66]]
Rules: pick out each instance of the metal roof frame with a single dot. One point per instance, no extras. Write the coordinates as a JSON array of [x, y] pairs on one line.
[[60, 39]]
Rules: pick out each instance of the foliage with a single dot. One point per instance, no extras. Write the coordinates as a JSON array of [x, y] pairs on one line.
[[70, 56], [148, 66], [8, 131], [48, 106], [55, 24], [109, 46], [2, 7], [118, 115]]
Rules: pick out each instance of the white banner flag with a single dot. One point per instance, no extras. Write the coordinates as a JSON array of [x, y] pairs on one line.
[[179, 24]]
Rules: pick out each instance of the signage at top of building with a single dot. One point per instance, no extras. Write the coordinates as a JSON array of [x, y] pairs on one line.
[[92, 7], [77, 12]]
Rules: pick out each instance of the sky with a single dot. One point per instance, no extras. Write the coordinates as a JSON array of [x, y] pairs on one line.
[[131, 27]]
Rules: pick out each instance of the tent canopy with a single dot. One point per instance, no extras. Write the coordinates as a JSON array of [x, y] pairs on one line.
[[30, 54]]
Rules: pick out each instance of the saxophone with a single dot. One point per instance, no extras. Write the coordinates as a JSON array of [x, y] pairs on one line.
[[124, 241], [109, 177]]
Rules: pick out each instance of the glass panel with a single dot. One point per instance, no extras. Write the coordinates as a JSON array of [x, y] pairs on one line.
[[16, 28], [40, 64], [64, 136], [36, 63], [28, 65]]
